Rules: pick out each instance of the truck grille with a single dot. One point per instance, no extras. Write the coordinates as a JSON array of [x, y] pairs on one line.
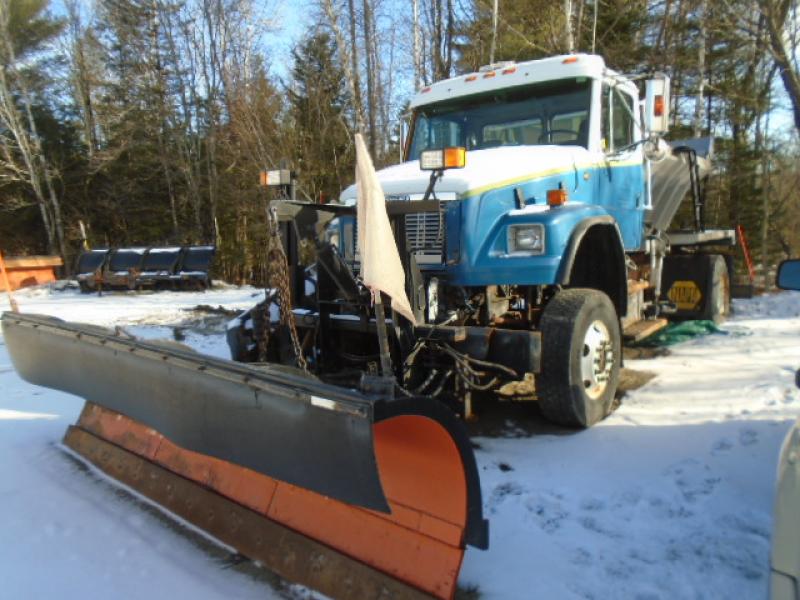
[[424, 237]]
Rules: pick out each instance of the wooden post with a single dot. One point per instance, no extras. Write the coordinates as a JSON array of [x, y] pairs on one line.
[[7, 283], [84, 238]]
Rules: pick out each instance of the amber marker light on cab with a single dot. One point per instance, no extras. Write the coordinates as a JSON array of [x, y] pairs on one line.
[[557, 197], [445, 158], [658, 106]]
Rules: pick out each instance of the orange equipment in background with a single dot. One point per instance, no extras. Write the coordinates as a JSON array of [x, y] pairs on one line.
[[25, 271]]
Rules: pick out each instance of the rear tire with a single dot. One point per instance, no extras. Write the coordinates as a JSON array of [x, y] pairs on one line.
[[581, 353], [718, 304]]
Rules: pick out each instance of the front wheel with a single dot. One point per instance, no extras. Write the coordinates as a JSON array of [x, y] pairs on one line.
[[581, 353]]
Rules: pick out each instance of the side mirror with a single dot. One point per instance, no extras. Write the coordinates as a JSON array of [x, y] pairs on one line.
[[656, 105], [789, 275]]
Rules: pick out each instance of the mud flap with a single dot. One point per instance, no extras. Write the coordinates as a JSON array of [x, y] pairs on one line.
[[392, 484], [686, 283]]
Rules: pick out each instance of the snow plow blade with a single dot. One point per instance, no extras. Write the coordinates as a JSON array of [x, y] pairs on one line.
[[351, 494]]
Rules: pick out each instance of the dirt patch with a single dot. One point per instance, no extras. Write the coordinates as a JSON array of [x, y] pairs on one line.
[[631, 379], [516, 419], [643, 353]]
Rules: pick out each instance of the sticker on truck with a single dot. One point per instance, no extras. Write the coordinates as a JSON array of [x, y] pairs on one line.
[[685, 295]]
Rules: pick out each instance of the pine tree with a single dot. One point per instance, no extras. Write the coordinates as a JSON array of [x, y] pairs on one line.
[[318, 102]]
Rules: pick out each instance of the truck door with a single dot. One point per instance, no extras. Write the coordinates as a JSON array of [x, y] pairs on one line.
[[621, 177]]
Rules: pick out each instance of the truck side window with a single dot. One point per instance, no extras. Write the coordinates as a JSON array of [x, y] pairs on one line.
[[622, 108], [605, 119], [617, 123]]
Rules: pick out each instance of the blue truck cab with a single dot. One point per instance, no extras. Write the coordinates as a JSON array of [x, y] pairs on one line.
[[565, 123]]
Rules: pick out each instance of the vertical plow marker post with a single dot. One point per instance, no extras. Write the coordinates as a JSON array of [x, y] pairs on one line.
[[4, 275]]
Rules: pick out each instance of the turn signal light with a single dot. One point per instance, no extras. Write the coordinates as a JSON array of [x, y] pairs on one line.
[[455, 158], [276, 177], [445, 158], [557, 197], [658, 106]]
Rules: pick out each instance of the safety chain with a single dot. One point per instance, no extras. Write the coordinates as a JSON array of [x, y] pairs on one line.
[[278, 279]]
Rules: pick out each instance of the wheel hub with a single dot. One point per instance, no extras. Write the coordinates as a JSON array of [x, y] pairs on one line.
[[597, 359]]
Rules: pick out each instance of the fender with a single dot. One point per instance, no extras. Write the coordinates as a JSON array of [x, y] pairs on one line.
[[615, 254]]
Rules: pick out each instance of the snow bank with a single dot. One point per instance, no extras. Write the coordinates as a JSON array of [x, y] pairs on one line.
[[127, 308], [670, 497]]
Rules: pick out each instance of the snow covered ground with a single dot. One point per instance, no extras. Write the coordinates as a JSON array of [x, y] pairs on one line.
[[670, 497]]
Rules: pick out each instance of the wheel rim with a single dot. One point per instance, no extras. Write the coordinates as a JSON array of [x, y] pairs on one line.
[[597, 359]]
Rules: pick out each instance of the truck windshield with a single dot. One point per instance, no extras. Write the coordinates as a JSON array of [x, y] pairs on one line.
[[556, 112]]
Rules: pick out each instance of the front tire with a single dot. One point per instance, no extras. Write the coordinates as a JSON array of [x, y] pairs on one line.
[[581, 353]]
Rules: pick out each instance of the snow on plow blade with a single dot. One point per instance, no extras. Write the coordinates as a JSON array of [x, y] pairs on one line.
[[350, 494]]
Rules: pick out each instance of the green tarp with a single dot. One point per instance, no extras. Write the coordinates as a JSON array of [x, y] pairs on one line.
[[674, 333]]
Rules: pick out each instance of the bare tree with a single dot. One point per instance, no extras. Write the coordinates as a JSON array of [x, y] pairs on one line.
[[16, 116], [347, 62], [357, 102], [372, 92], [569, 38], [699, 105], [441, 31], [780, 17], [417, 47], [82, 74]]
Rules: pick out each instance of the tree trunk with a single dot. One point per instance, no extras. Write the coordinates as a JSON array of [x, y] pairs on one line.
[[775, 15], [765, 197], [28, 141], [569, 39], [369, 52], [349, 73], [418, 81], [699, 104], [357, 102]]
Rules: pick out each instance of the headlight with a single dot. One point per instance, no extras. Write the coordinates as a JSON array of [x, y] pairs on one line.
[[526, 239]]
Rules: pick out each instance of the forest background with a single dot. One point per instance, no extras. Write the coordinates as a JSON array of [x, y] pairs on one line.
[[147, 121]]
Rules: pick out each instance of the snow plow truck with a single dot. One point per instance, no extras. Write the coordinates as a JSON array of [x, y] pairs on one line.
[[532, 215]]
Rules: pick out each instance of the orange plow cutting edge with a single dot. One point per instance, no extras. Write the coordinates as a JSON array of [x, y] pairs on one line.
[[407, 541]]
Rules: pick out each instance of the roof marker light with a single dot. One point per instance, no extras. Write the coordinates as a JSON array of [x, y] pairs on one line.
[[569, 60], [425, 90], [509, 70], [470, 78], [489, 74]]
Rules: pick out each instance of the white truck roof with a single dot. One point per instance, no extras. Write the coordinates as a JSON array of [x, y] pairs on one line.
[[506, 75]]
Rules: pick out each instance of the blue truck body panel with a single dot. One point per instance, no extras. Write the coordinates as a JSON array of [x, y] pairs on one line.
[[477, 246], [476, 249]]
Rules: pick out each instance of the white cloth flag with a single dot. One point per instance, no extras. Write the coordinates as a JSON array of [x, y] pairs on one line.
[[381, 268]]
